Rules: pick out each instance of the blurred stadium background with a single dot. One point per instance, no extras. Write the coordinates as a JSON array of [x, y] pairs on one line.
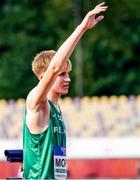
[[102, 110], [103, 136]]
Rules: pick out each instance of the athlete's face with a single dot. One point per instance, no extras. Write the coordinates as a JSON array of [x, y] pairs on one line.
[[61, 85]]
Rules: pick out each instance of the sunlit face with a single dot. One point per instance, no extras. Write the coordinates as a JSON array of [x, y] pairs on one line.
[[61, 85]]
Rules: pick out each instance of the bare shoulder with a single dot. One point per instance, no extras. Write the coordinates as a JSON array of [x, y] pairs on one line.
[[37, 117], [30, 98]]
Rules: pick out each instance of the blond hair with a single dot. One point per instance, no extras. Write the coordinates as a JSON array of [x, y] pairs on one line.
[[42, 60]]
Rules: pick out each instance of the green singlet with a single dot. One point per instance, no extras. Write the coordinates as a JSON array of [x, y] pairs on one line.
[[44, 154]]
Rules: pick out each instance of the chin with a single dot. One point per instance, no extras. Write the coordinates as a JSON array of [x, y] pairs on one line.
[[64, 92]]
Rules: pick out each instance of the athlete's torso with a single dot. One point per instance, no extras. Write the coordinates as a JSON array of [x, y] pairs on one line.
[[44, 153]]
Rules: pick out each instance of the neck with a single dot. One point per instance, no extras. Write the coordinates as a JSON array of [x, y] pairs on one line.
[[53, 97]]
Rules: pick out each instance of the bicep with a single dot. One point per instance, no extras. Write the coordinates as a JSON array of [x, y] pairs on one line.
[[44, 86], [37, 118]]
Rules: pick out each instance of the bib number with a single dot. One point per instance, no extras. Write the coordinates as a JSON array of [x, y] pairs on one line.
[[60, 166]]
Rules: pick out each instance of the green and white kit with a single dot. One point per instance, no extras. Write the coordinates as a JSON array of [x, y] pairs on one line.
[[45, 153]]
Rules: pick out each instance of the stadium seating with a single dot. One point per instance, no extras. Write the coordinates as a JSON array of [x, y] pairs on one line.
[[113, 116]]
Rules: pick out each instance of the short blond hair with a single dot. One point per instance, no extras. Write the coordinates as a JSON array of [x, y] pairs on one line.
[[42, 60]]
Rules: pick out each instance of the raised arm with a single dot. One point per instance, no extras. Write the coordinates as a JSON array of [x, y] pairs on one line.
[[64, 53]]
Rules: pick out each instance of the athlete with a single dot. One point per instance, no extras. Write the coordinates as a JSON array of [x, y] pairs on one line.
[[44, 134]]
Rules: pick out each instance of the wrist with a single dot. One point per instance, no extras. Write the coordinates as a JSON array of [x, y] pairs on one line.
[[81, 28]]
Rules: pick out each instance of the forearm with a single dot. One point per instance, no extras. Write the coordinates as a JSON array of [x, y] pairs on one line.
[[66, 49], [68, 46]]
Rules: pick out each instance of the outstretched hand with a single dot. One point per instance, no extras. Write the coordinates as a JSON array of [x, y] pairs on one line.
[[90, 19]]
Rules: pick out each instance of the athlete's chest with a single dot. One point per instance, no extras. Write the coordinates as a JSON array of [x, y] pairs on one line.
[[58, 124]]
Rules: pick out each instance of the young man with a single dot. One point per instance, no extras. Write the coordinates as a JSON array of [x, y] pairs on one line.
[[44, 130]]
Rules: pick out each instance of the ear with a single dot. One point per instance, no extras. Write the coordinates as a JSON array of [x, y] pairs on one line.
[[40, 76]]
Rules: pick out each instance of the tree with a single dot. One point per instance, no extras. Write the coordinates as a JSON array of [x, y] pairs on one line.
[[110, 52]]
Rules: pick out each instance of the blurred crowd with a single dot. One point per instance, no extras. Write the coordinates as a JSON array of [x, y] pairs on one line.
[[114, 116]]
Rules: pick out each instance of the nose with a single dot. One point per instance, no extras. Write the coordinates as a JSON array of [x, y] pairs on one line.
[[67, 78]]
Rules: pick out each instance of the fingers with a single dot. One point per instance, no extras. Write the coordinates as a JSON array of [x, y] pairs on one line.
[[99, 18], [104, 7], [97, 10], [101, 4], [100, 7]]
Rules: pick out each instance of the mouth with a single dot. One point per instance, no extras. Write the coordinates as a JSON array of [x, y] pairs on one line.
[[66, 86]]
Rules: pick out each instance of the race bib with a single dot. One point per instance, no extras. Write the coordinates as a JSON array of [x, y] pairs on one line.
[[60, 166]]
